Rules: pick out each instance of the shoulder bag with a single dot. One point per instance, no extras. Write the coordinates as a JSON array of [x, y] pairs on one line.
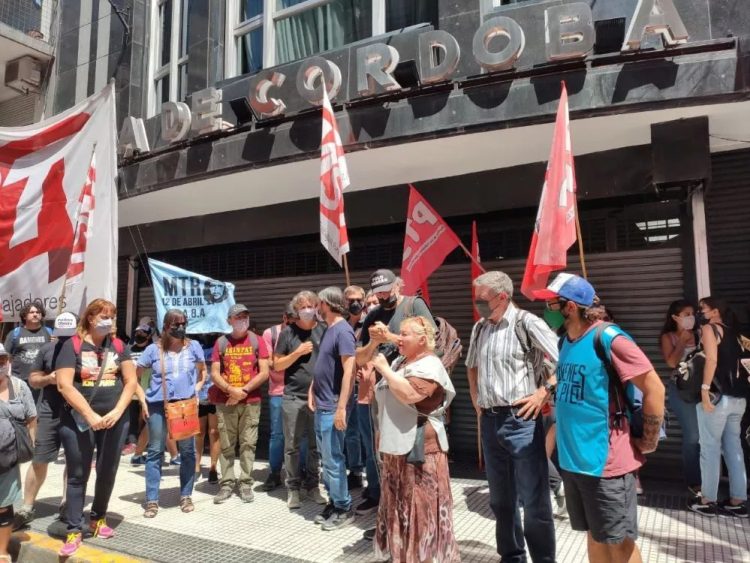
[[182, 415], [19, 448]]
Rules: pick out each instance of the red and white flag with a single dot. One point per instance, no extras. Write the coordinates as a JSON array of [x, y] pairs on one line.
[[476, 269], [44, 169], [334, 178], [84, 225], [427, 242], [555, 227]]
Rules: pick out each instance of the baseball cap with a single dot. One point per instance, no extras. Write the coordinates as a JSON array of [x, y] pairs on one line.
[[65, 325], [3, 351], [382, 280], [237, 309], [147, 328], [573, 288]]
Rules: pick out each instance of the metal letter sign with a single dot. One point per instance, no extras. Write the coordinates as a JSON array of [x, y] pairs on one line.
[[655, 17], [507, 57], [259, 100], [375, 66], [175, 121], [329, 75], [568, 31], [429, 69], [207, 110]]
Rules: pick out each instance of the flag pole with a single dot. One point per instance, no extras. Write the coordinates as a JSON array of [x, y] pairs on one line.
[[479, 442], [580, 243], [474, 260], [346, 271]]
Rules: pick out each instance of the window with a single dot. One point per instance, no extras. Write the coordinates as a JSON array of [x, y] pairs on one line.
[[170, 30], [404, 13]]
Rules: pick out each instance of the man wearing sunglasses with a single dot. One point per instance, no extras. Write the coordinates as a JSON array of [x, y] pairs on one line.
[[509, 383]]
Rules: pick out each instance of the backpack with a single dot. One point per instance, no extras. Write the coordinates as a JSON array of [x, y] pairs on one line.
[[117, 344], [448, 345], [535, 359], [15, 440], [17, 335]]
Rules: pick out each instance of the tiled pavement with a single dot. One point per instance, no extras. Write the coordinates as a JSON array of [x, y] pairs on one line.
[[266, 531]]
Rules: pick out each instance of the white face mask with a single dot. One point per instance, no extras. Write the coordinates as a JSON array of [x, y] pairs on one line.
[[241, 325], [4, 370], [103, 327], [687, 323]]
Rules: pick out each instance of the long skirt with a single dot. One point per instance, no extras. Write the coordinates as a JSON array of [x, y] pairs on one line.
[[415, 516]]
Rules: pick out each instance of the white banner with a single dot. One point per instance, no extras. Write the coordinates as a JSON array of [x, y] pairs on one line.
[[43, 170]]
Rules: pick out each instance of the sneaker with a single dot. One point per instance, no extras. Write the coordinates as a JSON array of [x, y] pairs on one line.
[[559, 509], [99, 529], [138, 460], [326, 514], [369, 535], [223, 495], [709, 510], [738, 510], [129, 449], [694, 490], [213, 476], [23, 518], [246, 493], [273, 481], [339, 519], [354, 481], [71, 545], [176, 460], [367, 507], [315, 495], [292, 499]]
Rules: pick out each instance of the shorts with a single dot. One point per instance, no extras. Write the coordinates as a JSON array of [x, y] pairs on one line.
[[606, 507], [47, 445], [206, 409]]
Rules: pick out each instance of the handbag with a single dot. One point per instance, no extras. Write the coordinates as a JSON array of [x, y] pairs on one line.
[[24, 446], [182, 415]]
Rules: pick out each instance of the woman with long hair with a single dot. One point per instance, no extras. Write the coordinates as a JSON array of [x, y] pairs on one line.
[[720, 412], [178, 362], [678, 339], [96, 377]]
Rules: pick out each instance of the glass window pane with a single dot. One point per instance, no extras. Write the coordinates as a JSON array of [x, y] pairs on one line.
[[250, 52], [162, 91], [184, 27], [165, 17], [323, 28], [404, 13], [182, 82], [250, 9]]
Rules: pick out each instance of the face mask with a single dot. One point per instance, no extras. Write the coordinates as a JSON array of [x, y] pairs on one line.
[[483, 308], [4, 370], [700, 318], [687, 323], [241, 326], [554, 319], [388, 303], [141, 339], [103, 327], [177, 332], [355, 307], [307, 314]]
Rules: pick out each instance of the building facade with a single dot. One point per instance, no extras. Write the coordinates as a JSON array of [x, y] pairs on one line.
[[220, 132]]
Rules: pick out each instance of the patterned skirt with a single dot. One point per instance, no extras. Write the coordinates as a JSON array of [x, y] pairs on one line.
[[415, 516]]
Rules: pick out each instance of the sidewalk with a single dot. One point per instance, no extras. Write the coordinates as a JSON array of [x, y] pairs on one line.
[[266, 531]]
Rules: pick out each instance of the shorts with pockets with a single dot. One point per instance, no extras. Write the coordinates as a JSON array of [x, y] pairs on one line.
[[206, 409]]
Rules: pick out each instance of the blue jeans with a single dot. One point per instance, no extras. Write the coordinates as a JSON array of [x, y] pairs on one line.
[[720, 435], [354, 461], [157, 435], [331, 448], [517, 473], [371, 464], [691, 449]]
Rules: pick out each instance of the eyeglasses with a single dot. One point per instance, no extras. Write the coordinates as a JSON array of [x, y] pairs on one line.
[[178, 325], [556, 305]]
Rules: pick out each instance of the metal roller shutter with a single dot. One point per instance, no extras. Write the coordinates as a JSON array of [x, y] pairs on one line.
[[636, 285]]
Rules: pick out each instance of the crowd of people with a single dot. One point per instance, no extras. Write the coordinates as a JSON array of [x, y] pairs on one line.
[[359, 388]]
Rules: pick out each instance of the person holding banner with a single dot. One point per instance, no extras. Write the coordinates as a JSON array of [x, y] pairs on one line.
[[178, 361], [97, 379]]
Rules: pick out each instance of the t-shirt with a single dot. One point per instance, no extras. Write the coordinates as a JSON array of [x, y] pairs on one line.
[[203, 395], [392, 319], [299, 375], [24, 349], [181, 368], [587, 442], [136, 351], [87, 365], [275, 377], [52, 401], [328, 375], [239, 363]]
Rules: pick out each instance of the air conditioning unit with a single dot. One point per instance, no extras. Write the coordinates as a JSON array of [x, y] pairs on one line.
[[24, 74]]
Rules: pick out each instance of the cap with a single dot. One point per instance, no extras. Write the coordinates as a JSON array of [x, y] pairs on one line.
[[573, 288], [236, 309], [147, 328], [382, 280], [146, 321], [3, 351], [65, 325]]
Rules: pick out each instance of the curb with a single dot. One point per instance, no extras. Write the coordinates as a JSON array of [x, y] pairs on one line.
[[32, 547]]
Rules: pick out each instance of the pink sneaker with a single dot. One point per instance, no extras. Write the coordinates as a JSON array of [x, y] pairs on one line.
[[99, 529], [71, 544]]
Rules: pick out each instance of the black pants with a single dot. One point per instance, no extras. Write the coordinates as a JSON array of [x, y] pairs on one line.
[[79, 452], [134, 415]]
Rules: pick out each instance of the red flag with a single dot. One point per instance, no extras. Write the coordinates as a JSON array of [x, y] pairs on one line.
[[424, 292], [84, 223], [427, 242], [334, 178], [555, 227], [476, 271]]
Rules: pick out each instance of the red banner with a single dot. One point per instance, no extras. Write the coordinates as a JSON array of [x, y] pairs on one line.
[[427, 242], [476, 270]]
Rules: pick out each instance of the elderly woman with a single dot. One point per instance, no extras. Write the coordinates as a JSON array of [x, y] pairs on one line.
[[415, 516]]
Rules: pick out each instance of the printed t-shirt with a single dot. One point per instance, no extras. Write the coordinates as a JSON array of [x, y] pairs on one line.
[[181, 368], [51, 401], [275, 377], [298, 376], [24, 349], [392, 318], [586, 442], [239, 364], [328, 373], [87, 365]]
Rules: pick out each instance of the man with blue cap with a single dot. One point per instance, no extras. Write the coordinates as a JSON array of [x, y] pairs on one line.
[[597, 454]]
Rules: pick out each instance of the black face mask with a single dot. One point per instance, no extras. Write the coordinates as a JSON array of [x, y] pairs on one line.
[[700, 319], [141, 338], [177, 332], [355, 307], [388, 303]]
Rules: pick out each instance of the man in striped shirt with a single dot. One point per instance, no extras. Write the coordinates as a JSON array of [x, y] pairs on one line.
[[510, 379]]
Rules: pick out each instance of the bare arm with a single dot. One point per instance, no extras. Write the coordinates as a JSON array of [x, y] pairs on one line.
[[31, 424], [653, 409], [711, 350], [283, 362], [259, 379], [40, 380], [364, 353], [217, 379], [201, 381], [128, 371], [671, 353], [472, 375], [347, 383], [72, 396], [399, 385]]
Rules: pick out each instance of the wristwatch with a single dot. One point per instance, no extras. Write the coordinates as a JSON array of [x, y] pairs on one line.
[[705, 387], [549, 387]]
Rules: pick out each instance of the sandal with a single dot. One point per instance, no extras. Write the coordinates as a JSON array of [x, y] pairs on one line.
[[186, 504], [152, 509]]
